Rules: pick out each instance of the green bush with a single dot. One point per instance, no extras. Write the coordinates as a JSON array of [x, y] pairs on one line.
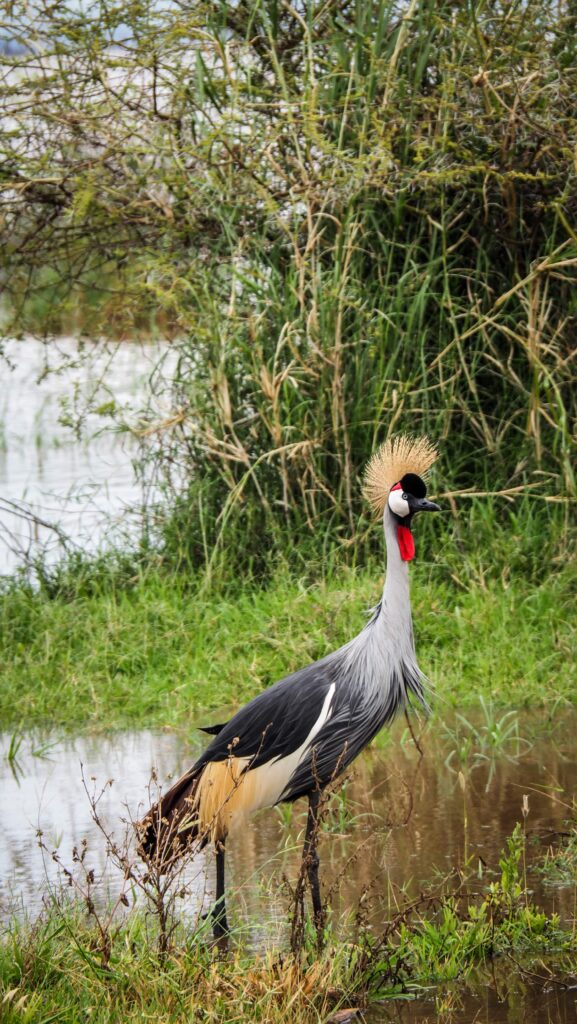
[[353, 218]]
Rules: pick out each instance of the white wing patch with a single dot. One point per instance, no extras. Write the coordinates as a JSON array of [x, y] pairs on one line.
[[272, 778]]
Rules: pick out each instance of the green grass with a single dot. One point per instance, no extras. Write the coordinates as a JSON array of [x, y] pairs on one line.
[[59, 969], [160, 650]]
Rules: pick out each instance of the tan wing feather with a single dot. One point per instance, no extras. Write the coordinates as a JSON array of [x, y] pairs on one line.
[[226, 793], [397, 456]]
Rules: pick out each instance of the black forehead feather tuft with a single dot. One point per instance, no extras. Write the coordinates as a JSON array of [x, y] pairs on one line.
[[413, 484]]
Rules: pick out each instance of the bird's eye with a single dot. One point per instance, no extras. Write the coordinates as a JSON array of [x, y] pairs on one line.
[[405, 496]]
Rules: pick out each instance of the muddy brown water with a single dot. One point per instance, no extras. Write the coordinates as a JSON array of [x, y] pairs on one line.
[[504, 995], [400, 820]]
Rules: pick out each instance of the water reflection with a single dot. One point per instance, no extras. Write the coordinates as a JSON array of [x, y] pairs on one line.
[[398, 821], [504, 994], [82, 483]]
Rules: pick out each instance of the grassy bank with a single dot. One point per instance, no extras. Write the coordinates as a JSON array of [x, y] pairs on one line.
[[161, 649]]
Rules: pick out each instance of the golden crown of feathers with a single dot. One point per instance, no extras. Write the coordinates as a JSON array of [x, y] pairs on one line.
[[397, 456]]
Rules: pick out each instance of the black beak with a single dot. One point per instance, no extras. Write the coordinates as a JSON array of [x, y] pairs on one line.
[[423, 505]]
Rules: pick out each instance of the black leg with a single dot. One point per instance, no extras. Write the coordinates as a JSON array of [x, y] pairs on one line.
[[219, 922], [311, 859]]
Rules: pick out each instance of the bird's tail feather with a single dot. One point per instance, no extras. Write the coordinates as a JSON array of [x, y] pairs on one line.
[[171, 825]]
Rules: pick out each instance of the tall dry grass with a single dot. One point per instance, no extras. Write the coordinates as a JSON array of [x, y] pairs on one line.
[[356, 217]]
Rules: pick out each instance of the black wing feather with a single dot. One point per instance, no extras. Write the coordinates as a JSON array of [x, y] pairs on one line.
[[278, 720], [337, 744], [357, 718]]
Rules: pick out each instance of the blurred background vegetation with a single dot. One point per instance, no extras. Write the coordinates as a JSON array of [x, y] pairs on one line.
[[351, 218]]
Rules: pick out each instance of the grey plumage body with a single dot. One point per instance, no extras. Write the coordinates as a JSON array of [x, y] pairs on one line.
[[307, 728], [375, 674], [294, 738]]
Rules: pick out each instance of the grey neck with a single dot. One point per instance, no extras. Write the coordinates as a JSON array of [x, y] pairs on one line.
[[396, 603], [381, 659]]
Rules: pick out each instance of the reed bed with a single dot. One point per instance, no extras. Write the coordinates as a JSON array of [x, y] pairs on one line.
[[352, 218]]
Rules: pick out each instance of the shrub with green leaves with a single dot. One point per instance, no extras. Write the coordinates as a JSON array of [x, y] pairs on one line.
[[352, 217]]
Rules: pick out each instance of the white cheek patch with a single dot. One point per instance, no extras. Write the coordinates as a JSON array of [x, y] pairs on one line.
[[398, 504]]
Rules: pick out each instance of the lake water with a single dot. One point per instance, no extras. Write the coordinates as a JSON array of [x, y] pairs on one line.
[[399, 821], [499, 995], [83, 481]]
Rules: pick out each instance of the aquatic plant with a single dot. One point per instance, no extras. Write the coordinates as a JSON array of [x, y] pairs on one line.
[[496, 736], [559, 865], [14, 746]]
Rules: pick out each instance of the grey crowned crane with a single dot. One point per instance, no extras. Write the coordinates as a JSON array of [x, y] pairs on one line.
[[297, 736]]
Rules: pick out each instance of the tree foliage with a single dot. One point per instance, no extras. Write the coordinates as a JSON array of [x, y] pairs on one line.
[[351, 217]]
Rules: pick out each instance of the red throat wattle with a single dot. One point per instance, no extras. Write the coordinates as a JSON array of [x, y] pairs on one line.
[[406, 543]]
